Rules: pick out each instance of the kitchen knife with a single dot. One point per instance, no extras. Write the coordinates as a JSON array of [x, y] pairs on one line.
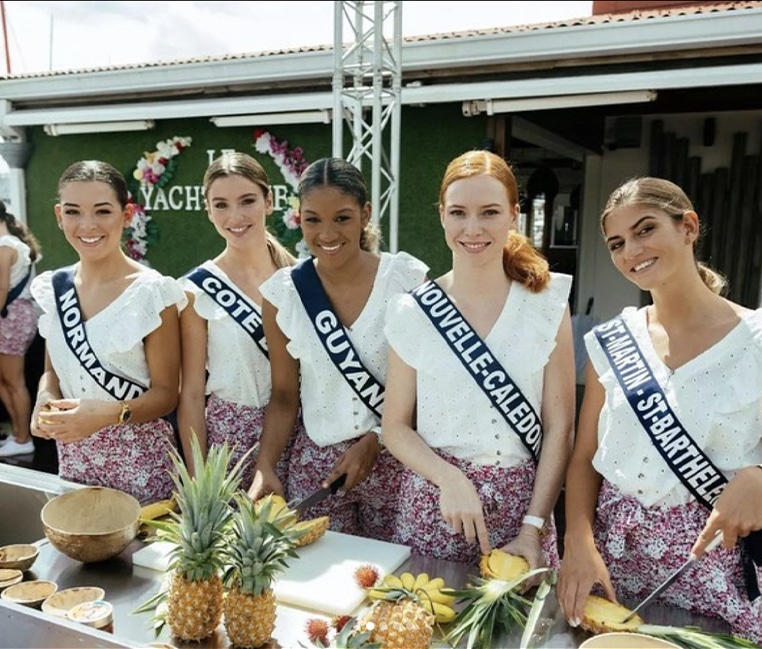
[[671, 579], [320, 494]]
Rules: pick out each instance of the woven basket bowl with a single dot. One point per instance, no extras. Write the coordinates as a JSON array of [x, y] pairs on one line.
[[91, 524]]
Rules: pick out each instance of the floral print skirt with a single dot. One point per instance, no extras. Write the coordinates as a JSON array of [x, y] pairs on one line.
[[505, 493], [368, 510], [134, 458], [641, 546], [241, 427], [18, 328]]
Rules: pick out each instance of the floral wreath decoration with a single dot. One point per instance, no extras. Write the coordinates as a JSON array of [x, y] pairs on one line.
[[291, 164], [154, 169]]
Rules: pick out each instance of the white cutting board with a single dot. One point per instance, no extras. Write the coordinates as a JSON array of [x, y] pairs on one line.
[[154, 555], [322, 577]]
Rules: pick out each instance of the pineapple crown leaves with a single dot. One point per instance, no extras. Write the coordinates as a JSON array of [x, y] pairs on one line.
[[490, 603], [257, 549], [693, 637]]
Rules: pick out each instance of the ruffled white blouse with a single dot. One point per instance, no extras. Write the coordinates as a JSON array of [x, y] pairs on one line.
[[115, 333], [717, 396], [238, 370], [454, 414], [21, 265], [331, 409]]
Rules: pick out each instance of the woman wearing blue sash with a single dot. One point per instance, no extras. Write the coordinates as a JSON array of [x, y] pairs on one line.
[[112, 340], [480, 404], [671, 412], [19, 250], [225, 363], [324, 324]]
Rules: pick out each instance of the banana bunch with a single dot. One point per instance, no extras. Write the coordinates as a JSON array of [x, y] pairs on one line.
[[152, 511], [429, 593]]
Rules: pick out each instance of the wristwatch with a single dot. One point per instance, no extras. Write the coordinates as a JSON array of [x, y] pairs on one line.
[[536, 521], [125, 414]]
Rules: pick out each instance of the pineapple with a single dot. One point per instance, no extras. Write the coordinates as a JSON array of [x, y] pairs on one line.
[[501, 565], [493, 599], [309, 531], [398, 623], [602, 615], [190, 602], [261, 542]]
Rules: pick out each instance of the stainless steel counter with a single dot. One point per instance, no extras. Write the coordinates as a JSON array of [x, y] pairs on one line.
[[128, 586]]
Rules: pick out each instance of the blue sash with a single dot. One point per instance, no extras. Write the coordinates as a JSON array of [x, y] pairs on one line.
[[334, 337], [234, 304], [681, 453], [478, 360], [70, 315], [15, 292]]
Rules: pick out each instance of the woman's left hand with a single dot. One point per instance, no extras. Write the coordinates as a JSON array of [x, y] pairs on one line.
[[357, 462], [72, 420], [528, 545]]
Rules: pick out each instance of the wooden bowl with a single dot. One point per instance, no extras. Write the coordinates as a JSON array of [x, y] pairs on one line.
[[10, 576], [29, 593], [19, 556], [59, 603], [624, 640], [92, 523]]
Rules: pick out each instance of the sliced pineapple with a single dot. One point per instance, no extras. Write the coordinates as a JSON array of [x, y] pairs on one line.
[[310, 530], [602, 616], [501, 565]]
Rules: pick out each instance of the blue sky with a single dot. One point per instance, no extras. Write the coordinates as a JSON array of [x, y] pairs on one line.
[[59, 35]]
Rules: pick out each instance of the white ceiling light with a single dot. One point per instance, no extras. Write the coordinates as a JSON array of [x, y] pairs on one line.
[[98, 127], [267, 119], [494, 106]]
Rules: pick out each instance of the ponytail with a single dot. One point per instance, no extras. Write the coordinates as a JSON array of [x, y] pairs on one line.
[[278, 252], [716, 282], [524, 264], [20, 231]]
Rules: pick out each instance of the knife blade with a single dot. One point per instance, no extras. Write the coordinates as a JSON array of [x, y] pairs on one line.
[[673, 577], [322, 493]]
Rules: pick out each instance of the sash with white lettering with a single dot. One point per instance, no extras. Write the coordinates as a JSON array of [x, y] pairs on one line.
[[235, 305], [70, 314], [679, 450], [334, 337], [481, 364]]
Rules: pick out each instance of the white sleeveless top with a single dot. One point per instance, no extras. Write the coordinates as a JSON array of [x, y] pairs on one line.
[[23, 261], [331, 409], [717, 396], [238, 370], [453, 413], [115, 334]]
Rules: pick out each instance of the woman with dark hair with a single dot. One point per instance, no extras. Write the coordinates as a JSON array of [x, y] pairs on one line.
[[480, 406], [112, 337], [225, 362], [324, 324], [19, 250]]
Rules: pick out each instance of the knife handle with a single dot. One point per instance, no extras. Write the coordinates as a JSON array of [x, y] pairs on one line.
[[338, 483]]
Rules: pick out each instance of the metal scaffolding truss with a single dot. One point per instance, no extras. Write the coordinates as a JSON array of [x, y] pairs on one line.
[[367, 84]]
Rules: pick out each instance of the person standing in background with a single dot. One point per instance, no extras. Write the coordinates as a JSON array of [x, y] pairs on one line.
[[19, 250], [225, 378], [324, 323], [111, 327], [481, 397]]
